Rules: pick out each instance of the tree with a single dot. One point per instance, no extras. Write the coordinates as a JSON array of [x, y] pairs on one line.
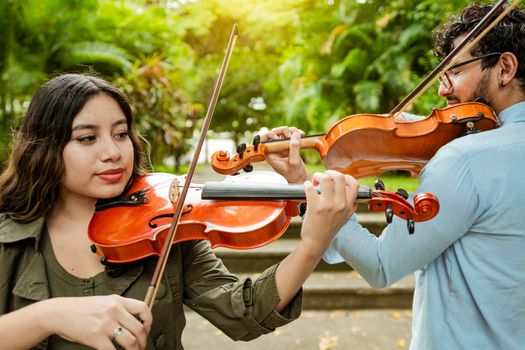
[[362, 56], [164, 115], [43, 37]]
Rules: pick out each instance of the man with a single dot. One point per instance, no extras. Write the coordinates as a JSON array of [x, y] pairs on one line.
[[469, 260]]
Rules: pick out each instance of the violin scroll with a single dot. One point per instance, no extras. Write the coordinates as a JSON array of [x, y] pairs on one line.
[[426, 207]]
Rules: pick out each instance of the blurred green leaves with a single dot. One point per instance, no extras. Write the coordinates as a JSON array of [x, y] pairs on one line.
[[306, 63]]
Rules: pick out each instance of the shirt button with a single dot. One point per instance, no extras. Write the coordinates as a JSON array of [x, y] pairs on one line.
[[88, 292]]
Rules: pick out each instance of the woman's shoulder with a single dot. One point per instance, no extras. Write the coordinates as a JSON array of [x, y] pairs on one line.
[[13, 231]]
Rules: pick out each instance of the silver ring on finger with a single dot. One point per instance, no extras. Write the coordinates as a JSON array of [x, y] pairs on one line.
[[117, 331]]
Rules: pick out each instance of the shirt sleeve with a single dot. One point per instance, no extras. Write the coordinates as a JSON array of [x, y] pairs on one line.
[[385, 259], [242, 309]]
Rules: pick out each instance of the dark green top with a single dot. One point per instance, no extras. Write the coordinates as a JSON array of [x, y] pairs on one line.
[[63, 284], [194, 276]]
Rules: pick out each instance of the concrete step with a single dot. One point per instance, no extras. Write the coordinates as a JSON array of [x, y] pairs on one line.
[[333, 329], [348, 290], [260, 258], [246, 261]]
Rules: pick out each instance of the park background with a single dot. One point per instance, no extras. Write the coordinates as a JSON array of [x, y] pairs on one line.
[[303, 63]]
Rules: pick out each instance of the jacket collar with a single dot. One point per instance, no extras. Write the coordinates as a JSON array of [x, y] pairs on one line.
[[33, 283], [12, 231]]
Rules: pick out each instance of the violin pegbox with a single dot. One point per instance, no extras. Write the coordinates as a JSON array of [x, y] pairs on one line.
[[425, 207]]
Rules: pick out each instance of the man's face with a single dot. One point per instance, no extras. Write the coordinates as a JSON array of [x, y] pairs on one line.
[[468, 82]]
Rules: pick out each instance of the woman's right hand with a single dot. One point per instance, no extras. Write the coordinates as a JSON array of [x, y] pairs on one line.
[[101, 322]]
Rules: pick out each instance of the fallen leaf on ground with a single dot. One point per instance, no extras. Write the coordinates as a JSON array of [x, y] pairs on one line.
[[328, 341], [402, 343]]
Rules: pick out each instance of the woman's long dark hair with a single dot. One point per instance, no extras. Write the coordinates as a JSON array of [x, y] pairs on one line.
[[30, 184]]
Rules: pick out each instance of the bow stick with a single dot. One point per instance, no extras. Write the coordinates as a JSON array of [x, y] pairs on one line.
[[163, 258]]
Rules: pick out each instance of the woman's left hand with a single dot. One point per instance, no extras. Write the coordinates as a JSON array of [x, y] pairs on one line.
[[329, 210]]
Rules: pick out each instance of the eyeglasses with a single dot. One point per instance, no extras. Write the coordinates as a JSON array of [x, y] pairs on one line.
[[445, 78]]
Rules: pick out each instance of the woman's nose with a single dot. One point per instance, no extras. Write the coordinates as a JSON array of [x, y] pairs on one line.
[[110, 151]]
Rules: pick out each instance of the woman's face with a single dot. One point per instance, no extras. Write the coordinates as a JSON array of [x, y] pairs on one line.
[[98, 158]]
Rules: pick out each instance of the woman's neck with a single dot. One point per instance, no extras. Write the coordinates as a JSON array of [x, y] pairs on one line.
[[67, 225], [72, 207]]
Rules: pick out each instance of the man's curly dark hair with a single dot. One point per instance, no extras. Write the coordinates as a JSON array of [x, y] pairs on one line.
[[507, 36]]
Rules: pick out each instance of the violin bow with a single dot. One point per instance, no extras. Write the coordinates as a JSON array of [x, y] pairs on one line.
[[465, 45], [163, 258]]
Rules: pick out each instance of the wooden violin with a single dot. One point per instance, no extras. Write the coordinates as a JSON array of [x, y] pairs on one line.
[[242, 212], [369, 144]]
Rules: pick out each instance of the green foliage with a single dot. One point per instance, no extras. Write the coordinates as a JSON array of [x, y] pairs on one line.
[[107, 58], [305, 63], [164, 115]]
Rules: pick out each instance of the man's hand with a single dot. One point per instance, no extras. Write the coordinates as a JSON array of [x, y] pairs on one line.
[[289, 164]]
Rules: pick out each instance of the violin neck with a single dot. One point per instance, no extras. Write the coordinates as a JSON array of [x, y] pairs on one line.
[[259, 191], [316, 142]]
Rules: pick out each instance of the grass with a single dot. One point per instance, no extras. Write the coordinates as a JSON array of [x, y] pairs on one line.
[[392, 181]]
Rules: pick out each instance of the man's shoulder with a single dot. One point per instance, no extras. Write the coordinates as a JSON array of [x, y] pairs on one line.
[[470, 145]]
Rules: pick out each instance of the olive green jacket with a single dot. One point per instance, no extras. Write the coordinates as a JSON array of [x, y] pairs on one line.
[[194, 276]]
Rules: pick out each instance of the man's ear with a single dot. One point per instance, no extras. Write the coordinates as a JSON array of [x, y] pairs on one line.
[[507, 65]]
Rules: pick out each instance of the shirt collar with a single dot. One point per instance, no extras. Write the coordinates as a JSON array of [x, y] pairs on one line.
[[513, 114]]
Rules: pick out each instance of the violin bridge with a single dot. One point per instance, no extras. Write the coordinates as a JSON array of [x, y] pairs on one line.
[[174, 191]]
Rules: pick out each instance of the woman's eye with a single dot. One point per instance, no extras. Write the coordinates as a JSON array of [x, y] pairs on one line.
[[122, 135], [86, 139]]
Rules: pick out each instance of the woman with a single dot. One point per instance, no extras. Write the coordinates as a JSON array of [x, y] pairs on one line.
[[77, 145]]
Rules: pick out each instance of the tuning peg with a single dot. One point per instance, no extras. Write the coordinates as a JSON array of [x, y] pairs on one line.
[[248, 168], [411, 225], [402, 193], [256, 141], [389, 213], [379, 185], [240, 149]]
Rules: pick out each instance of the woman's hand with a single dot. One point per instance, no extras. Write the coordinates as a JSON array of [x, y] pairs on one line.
[[101, 322], [325, 215], [289, 164], [329, 210]]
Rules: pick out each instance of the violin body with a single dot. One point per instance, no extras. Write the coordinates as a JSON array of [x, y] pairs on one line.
[[365, 145], [242, 212], [129, 232]]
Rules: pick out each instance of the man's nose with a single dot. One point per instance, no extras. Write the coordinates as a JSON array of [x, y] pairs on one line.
[[444, 90]]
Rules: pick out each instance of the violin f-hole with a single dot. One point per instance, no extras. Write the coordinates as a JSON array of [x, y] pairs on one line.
[[185, 211]]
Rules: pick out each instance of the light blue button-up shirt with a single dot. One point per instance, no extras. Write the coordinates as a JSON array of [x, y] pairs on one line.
[[469, 260]]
